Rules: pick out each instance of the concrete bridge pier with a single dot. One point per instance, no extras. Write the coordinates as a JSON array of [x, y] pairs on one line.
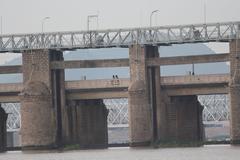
[[184, 120], [154, 116], [42, 100], [3, 130], [235, 91], [144, 96], [88, 123]]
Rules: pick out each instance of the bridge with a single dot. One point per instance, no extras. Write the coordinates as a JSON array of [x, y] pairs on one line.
[[56, 112], [111, 89], [163, 35]]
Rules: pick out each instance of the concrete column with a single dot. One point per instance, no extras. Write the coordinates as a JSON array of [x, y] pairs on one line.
[[59, 99], [143, 96], [42, 100], [3, 130], [153, 80], [235, 91], [88, 123], [184, 120]]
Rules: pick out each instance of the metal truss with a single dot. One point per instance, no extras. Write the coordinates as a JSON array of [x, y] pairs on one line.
[[216, 108], [14, 116], [162, 35], [118, 111]]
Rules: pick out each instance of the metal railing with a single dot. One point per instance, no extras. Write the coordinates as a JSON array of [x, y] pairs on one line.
[[162, 35], [216, 108]]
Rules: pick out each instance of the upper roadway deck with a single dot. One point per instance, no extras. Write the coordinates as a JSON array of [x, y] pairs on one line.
[[162, 35]]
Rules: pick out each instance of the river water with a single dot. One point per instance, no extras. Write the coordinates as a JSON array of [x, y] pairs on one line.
[[210, 152]]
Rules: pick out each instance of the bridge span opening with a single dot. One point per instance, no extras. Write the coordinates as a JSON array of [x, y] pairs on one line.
[[57, 111], [215, 118]]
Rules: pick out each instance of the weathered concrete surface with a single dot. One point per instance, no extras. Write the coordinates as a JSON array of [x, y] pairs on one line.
[[177, 60], [184, 119], [90, 63], [3, 130], [59, 99], [106, 84], [38, 123], [110, 88], [144, 96], [195, 80], [42, 100], [235, 91], [10, 69], [140, 113], [155, 96], [88, 123]]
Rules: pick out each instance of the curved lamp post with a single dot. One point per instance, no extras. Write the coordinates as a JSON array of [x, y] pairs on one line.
[[155, 11], [43, 20]]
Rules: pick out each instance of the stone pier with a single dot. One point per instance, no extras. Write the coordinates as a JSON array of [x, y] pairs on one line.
[[235, 91], [154, 116], [42, 101], [144, 96]]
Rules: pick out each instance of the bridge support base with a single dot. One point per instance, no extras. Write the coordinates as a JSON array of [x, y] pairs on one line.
[[235, 91], [155, 117], [144, 96], [184, 120], [88, 123], [42, 101], [3, 130]]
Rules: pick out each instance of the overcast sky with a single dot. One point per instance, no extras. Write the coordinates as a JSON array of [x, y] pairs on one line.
[[21, 16], [24, 16]]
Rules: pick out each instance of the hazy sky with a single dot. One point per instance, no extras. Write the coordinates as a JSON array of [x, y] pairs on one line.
[[24, 16], [21, 16]]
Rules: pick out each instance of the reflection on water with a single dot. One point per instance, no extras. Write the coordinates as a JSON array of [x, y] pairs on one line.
[[211, 152]]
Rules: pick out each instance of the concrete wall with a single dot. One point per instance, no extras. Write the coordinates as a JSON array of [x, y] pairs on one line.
[[3, 130], [184, 119], [88, 123], [154, 116], [140, 101], [42, 100], [38, 120], [235, 91]]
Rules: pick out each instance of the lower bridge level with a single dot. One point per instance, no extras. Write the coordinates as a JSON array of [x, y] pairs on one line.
[[56, 112]]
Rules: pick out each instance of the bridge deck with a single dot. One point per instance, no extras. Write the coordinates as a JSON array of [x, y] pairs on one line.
[[162, 35], [118, 88]]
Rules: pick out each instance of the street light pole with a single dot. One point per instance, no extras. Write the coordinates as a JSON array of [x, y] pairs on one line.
[[152, 15], [1, 26], [43, 20], [205, 12], [88, 20]]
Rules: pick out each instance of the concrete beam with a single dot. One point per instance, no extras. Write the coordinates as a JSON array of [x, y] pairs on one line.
[[203, 90], [97, 95], [197, 90], [125, 62], [10, 69], [11, 88], [90, 63], [195, 79], [117, 88], [97, 84], [210, 58], [9, 98]]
